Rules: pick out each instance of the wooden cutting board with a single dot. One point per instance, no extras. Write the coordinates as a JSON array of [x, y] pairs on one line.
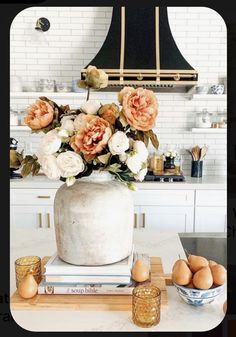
[[91, 302]]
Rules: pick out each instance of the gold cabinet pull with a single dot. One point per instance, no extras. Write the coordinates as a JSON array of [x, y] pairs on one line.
[[44, 196], [49, 222], [144, 220], [135, 220], [40, 221]]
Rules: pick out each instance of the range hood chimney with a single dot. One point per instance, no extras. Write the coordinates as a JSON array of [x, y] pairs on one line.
[[139, 50]]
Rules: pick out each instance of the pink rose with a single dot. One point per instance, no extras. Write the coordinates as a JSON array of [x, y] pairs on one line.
[[140, 108], [92, 137], [40, 114]]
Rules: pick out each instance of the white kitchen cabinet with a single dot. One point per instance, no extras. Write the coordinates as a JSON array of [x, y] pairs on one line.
[[210, 219], [32, 208], [167, 218], [27, 217]]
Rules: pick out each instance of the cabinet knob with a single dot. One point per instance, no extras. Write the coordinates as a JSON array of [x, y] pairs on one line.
[[135, 220], [43, 196]]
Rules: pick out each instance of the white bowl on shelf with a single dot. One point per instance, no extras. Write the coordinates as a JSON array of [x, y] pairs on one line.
[[202, 89]]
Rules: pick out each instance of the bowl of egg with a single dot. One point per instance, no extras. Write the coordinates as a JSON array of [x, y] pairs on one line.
[[197, 280]]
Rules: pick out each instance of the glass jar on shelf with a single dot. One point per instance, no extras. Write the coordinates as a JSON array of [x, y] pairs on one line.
[[203, 119], [13, 117], [223, 118]]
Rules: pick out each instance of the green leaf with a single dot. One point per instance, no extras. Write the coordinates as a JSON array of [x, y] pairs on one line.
[[27, 169]]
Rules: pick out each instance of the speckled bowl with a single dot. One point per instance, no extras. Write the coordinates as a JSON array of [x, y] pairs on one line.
[[198, 297]]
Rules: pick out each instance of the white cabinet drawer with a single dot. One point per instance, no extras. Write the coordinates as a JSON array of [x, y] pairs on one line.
[[32, 196], [211, 198], [164, 197], [165, 219], [210, 219]]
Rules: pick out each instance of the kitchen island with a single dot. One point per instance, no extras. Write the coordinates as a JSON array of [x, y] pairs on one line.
[[178, 316]]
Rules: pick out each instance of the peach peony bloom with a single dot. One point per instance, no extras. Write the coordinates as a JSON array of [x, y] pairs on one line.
[[109, 112], [124, 91], [140, 108], [92, 138], [40, 114]]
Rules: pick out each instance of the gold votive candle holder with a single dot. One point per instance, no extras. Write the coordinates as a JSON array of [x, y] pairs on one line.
[[146, 305], [25, 265]]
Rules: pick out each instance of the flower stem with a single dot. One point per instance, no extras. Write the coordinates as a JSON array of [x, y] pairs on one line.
[[88, 93]]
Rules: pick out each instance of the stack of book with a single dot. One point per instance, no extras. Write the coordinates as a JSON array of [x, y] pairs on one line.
[[63, 278]]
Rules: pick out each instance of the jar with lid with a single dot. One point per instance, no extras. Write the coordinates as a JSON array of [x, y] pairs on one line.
[[13, 117], [222, 118], [203, 119]]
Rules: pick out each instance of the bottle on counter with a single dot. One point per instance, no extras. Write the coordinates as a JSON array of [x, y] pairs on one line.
[[158, 163]]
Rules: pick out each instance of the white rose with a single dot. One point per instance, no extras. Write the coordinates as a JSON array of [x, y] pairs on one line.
[[140, 148], [50, 143], [141, 174], [118, 143], [49, 167], [63, 133], [90, 107], [79, 122], [134, 163], [123, 157], [70, 164], [68, 124]]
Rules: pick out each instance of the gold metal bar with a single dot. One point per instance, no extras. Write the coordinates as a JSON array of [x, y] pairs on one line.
[[154, 82], [135, 220], [144, 220], [49, 222], [157, 32], [40, 221], [122, 41], [153, 71], [43, 196], [151, 75]]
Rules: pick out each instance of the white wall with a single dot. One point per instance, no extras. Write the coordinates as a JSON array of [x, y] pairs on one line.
[[77, 33]]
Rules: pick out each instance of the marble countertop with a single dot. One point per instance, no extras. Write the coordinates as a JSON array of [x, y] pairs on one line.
[[206, 182], [178, 316]]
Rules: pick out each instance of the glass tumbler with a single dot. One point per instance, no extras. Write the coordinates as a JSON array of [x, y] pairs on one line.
[[146, 305], [25, 265]]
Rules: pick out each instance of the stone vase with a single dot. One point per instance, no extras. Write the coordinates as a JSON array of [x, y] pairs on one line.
[[94, 220]]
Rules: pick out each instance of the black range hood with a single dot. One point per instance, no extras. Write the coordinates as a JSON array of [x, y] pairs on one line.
[[139, 50]]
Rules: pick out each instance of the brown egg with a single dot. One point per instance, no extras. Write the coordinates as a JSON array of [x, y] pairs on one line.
[[28, 287], [197, 262], [225, 307], [203, 279], [211, 263], [140, 272], [181, 274], [219, 274]]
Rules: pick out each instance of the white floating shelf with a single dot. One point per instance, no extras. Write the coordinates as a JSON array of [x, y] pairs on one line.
[[19, 128], [209, 130], [208, 97], [35, 94]]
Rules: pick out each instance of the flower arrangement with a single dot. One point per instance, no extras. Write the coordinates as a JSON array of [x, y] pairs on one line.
[[94, 137], [170, 154]]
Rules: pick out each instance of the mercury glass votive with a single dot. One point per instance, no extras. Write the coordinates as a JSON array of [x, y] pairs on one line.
[[25, 265], [146, 305]]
